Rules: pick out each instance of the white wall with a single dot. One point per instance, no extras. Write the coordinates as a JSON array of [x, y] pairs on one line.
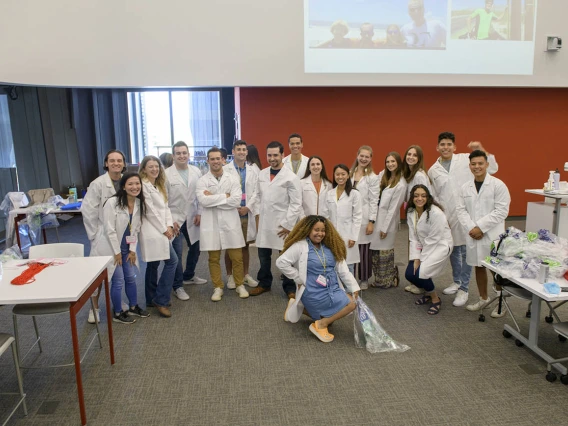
[[150, 43]]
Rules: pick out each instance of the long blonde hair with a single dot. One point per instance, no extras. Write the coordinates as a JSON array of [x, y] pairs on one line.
[[396, 175], [369, 169], [160, 180], [332, 239]]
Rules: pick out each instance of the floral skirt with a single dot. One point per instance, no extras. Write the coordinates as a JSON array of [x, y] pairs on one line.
[[386, 273]]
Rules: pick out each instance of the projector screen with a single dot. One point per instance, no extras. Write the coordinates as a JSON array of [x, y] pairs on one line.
[[420, 36]]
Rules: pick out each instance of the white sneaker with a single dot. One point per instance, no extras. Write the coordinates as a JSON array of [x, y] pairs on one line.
[[195, 280], [91, 319], [364, 285], [478, 306], [461, 298], [217, 294], [453, 289], [231, 283], [496, 314], [242, 292], [416, 290], [250, 281], [181, 294]]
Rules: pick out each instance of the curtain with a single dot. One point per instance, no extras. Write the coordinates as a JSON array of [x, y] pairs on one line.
[[205, 119]]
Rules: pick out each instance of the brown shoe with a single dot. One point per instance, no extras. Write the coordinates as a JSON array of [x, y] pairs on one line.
[[291, 295], [164, 311], [258, 291]]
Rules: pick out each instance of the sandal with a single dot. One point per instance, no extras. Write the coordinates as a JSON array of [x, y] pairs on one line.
[[423, 300], [435, 308], [397, 278], [321, 333]]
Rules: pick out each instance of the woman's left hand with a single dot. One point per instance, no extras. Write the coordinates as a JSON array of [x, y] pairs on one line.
[[132, 257], [416, 265], [350, 243]]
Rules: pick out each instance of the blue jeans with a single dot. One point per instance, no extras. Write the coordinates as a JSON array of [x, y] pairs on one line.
[[461, 271], [191, 261], [264, 275], [159, 292], [124, 276], [426, 284]]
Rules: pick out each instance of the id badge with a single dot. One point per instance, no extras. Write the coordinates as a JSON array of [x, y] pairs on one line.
[[244, 197], [321, 280], [418, 246], [131, 239]]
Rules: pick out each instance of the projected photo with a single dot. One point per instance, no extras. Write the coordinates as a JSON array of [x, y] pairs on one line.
[[493, 20], [377, 24]]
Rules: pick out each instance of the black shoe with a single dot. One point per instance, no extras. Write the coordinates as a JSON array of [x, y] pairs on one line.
[[124, 318], [139, 312]]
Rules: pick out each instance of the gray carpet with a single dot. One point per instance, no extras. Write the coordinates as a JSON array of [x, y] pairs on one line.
[[237, 362]]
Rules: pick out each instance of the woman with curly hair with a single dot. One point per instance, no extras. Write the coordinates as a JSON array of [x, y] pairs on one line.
[[314, 256], [430, 244]]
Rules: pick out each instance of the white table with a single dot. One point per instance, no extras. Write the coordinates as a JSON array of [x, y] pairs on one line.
[[73, 282], [538, 294], [558, 205]]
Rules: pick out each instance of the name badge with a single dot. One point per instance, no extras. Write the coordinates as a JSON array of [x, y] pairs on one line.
[[244, 197], [321, 280], [418, 246], [131, 239]]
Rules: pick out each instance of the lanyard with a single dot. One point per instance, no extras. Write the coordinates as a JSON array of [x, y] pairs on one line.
[[297, 167], [416, 219], [321, 258]]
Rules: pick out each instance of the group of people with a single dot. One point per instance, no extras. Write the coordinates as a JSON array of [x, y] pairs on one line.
[[330, 233]]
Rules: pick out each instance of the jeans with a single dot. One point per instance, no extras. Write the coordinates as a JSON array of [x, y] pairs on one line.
[[159, 292], [461, 271], [351, 267], [264, 275], [426, 284], [191, 261], [124, 276]]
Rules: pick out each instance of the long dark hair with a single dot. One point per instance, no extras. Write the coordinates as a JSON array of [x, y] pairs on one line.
[[323, 174], [348, 184], [396, 175], [253, 157], [122, 197], [409, 172], [429, 201]]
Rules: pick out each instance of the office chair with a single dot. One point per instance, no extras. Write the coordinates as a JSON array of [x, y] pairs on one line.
[[6, 341]]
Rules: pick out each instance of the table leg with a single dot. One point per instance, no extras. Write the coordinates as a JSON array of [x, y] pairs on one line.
[[17, 229], [109, 317], [556, 220], [77, 358]]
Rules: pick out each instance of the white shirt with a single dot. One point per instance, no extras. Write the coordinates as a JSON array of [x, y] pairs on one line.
[[430, 34]]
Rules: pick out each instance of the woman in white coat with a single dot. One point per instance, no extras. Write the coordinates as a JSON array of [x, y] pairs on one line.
[[366, 182], [315, 185], [430, 244], [343, 209], [122, 221], [392, 193], [156, 235], [413, 170], [314, 257]]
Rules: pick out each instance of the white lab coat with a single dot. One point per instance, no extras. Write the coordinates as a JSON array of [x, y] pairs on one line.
[[293, 263], [220, 222], [301, 172], [251, 196], [280, 205], [312, 201], [181, 199], [487, 210], [447, 187], [388, 216], [345, 214], [368, 187], [100, 190], [420, 178], [433, 233], [115, 222], [154, 245]]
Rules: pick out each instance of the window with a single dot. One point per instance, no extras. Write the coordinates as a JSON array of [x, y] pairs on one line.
[[158, 119]]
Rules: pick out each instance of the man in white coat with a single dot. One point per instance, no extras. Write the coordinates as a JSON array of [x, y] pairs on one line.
[[482, 209], [100, 190], [280, 204], [220, 196], [448, 174], [296, 162], [181, 181], [247, 175]]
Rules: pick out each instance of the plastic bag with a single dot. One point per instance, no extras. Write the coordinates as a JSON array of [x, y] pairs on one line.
[[38, 218], [12, 253], [369, 334]]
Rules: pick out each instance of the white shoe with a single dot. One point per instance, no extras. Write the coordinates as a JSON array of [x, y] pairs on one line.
[[364, 285], [416, 290], [231, 283], [181, 294], [242, 292], [453, 289], [496, 314], [478, 306], [250, 281], [461, 298], [217, 294], [91, 319], [195, 280]]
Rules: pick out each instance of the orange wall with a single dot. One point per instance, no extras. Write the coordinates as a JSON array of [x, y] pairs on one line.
[[526, 129]]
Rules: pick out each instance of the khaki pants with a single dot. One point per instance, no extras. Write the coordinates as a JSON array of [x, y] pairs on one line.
[[236, 256]]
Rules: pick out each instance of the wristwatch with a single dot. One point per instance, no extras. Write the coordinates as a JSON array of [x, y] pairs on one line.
[[372, 221]]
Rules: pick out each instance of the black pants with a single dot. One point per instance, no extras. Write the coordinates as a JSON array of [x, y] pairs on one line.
[[264, 275]]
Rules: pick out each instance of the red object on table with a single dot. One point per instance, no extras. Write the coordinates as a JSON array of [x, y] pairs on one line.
[[28, 276]]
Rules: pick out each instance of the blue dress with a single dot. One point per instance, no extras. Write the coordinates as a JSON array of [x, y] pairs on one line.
[[320, 301]]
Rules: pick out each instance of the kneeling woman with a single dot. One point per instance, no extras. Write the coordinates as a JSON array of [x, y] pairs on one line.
[[314, 255], [430, 244]]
